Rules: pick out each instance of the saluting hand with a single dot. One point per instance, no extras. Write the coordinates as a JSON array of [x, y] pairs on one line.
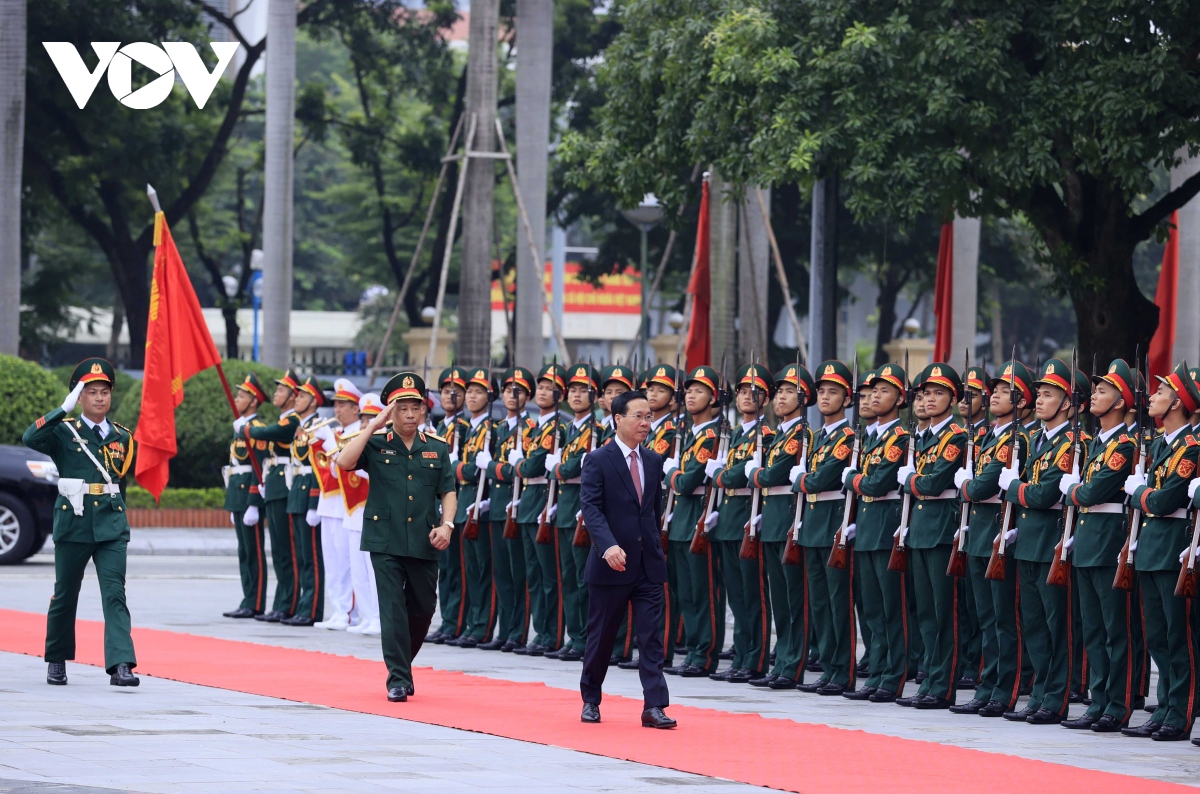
[[615, 557], [381, 418]]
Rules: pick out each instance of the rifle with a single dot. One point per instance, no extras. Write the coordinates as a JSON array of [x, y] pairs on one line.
[[582, 539], [545, 532], [471, 527], [1123, 580], [791, 548], [839, 555], [898, 561], [680, 411], [751, 547], [1189, 577], [997, 569], [512, 530], [1060, 567], [957, 566], [700, 536]]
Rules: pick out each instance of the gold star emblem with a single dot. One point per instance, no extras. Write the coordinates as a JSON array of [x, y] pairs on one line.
[[408, 383]]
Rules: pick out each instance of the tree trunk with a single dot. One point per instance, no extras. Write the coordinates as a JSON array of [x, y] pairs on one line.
[[885, 303], [416, 299], [12, 143], [114, 335], [723, 273], [229, 312]]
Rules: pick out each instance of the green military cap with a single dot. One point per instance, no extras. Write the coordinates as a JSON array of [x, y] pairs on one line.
[[311, 385], [979, 380], [799, 377], [92, 370], [663, 375], [1119, 376], [1016, 374], [617, 372], [1055, 372], [892, 374], [940, 373], [519, 376], [290, 379], [584, 374], [756, 375], [834, 371], [1083, 384], [866, 379], [481, 377], [252, 387], [455, 376], [705, 376], [553, 373], [1185, 388], [403, 386], [643, 378]]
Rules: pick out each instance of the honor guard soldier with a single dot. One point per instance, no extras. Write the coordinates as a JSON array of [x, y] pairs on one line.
[[794, 392], [744, 579], [930, 536], [93, 456], [697, 572], [829, 589], [1161, 495], [1045, 608], [508, 553], [614, 380], [331, 506], [659, 387], [277, 482], [866, 414], [303, 497], [242, 477], [477, 549], [402, 529], [452, 562], [973, 409], [1097, 540]]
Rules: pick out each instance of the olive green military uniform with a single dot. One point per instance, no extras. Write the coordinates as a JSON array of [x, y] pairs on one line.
[[661, 439], [512, 588], [481, 613], [572, 559], [972, 633], [452, 560], [284, 555], [100, 534], [241, 491], [303, 497]]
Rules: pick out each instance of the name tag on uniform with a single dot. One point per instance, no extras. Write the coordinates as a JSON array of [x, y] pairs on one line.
[[387, 452], [429, 454]]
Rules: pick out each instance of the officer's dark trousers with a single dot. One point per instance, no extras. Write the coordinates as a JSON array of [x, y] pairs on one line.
[[997, 608], [885, 609], [789, 605], [512, 599], [702, 603], [311, 565], [545, 587], [1046, 627], [1171, 640], [452, 599], [745, 581], [831, 597], [481, 617], [938, 618], [70, 562], [252, 563], [571, 562], [407, 589], [283, 556], [607, 605], [1108, 637]]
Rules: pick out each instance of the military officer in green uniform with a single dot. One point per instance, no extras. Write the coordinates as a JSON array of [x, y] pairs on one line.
[[877, 520], [744, 579], [1098, 536], [830, 590], [452, 562], [277, 481], [698, 576], [402, 529], [303, 495], [973, 409], [794, 392], [241, 493], [930, 535], [1161, 494], [93, 456]]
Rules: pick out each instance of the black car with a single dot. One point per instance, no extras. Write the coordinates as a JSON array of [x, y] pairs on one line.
[[28, 488]]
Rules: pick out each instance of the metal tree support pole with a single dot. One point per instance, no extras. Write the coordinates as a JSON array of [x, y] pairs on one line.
[[412, 265], [458, 193], [12, 137], [801, 343], [278, 183]]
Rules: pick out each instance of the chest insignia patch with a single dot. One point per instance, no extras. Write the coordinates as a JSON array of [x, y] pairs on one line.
[[703, 455], [548, 441], [792, 446], [1064, 463], [894, 453], [1186, 467], [842, 452], [429, 455], [660, 446], [1116, 461], [950, 452]]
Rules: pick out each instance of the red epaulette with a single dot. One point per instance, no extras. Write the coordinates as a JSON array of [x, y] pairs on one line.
[[710, 433], [1191, 441], [847, 431], [957, 428], [1124, 438]]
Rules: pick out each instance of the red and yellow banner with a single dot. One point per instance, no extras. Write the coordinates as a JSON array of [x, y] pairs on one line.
[[617, 294]]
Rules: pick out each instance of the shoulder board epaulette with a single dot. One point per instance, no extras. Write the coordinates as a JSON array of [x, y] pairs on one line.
[[383, 431], [425, 435], [530, 422], [1191, 441], [957, 428], [422, 435], [1124, 438], [898, 430], [710, 433], [847, 431], [668, 425], [767, 431], [120, 426]]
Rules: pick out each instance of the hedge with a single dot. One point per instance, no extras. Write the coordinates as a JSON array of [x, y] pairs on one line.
[[202, 422], [26, 391], [176, 497]]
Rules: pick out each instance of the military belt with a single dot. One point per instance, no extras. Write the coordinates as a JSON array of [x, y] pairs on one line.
[[891, 496], [738, 491], [240, 469], [778, 490], [535, 481], [825, 496], [1180, 513], [302, 470], [572, 481], [995, 500], [97, 488], [1106, 507], [949, 493]]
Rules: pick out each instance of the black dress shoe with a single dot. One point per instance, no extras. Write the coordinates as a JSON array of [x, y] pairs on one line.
[[742, 676], [1025, 690], [862, 668], [814, 666], [883, 696], [1019, 716], [240, 612], [1143, 731], [570, 655], [615, 660], [862, 693], [397, 694], [274, 616], [468, 642], [772, 658], [553, 654], [929, 702], [994, 708], [672, 669], [831, 689], [1080, 722], [509, 647], [494, 645], [725, 655], [1149, 708], [811, 688], [972, 706], [1086, 701], [781, 682], [591, 713], [536, 649], [1044, 717], [123, 676], [656, 718], [56, 673], [692, 671], [765, 680], [629, 664], [411, 690], [437, 638], [722, 675], [1169, 733], [907, 702], [919, 677], [1139, 702], [1106, 724], [1075, 697], [966, 682], [297, 620]]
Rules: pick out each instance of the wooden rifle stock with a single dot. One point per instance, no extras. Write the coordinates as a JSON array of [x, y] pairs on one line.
[[582, 538], [997, 570], [512, 530], [471, 527], [898, 560], [1124, 578], [791, 551], [1188, 583], [839, 555], [957, 567]]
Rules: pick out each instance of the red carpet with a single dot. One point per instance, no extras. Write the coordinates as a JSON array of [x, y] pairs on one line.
[[778, 753]]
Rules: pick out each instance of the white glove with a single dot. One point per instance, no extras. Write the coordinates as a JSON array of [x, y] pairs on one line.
[[553, 512], [484, 505], [552, 460], [757, 522], [1007, 478], [750, 467], [1066, 481], [711, 521], [482, 459], [239, 423], [515, 457], [670, 463], [232, 519], [250, 518], [311, 518], [904, 472], [795, 473], [1010, 537], [756, 458], [578, 515], [961, 476], [1192, 486], [899, 530], [1183, 555], [711, 468], [848, 473], [1069, 544], [325, 433], [850, 530], [453, 457], [1133, 482], [514, 504], [669, 517], [73, 398]]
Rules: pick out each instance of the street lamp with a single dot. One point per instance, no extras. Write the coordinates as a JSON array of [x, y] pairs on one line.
[[645, 217]]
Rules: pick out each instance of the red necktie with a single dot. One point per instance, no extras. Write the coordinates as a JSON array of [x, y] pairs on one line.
[[635, 475]]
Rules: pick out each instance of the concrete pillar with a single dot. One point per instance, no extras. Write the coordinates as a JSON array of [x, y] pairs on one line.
[[12, 143], [723, 214], [822, 273], [966, 291], [535, 41], [754, 265], [1187, 297], [277, 184]]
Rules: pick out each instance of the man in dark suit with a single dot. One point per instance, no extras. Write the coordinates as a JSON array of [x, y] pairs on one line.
[[621, 493]]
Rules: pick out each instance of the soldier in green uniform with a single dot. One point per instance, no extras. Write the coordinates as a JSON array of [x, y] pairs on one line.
[[697, 576], [930, 535], [241, 493], [744, 580], [276, 482], [481, 613], [452, 562], [794, 392], [303, 495], [866, 413], [410, 471], [1162, 496], [877, 520], [614, 380], [1098, 536], [1045, 609], [659, 386], [973, 410], [508, 554], [830, 591], [93, 456]]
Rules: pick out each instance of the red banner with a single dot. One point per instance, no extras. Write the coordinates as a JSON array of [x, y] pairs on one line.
[[617, 294], [1162, 344], [699, 341], [943, 295]]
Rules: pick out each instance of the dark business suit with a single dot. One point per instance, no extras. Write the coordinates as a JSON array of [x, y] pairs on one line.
[[614, 517]]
